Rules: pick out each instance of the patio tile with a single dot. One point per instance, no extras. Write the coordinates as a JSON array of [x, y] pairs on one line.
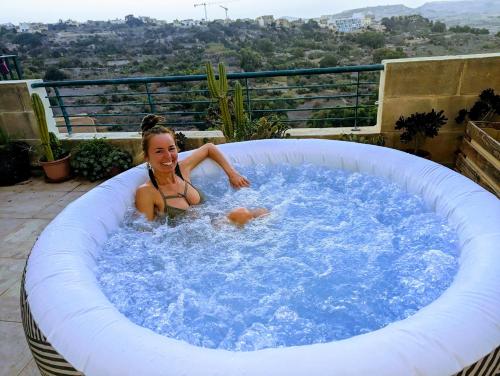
[[26, 204], [10, 273], [50, 211], [14, 352], [18, 236], [85, 185], [30, 370], [9, 304]]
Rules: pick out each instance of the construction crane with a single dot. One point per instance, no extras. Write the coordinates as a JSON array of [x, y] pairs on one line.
[[226, 9], [204, 6], [216, 3]]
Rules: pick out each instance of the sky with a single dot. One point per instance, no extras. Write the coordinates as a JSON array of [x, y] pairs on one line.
[[50, 11]]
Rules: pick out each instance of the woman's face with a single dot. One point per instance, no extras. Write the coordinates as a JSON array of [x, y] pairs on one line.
[[162, 153]]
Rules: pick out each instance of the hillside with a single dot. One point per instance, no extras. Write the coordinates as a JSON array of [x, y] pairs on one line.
[[477, 13]]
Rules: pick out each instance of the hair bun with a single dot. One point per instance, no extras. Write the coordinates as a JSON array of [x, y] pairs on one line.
[[149, 121]]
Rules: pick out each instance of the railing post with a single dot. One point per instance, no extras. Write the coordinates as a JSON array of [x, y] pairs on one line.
[[249, 106], [9, 68], [19, 70], [150, 99], [63, 110], [356, 129]]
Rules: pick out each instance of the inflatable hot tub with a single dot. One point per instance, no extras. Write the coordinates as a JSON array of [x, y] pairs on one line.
[[73, 329]]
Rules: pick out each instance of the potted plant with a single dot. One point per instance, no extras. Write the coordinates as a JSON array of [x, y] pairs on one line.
[[417, 127], [98, 159], [485, 109], [14, 160], [55, 162]]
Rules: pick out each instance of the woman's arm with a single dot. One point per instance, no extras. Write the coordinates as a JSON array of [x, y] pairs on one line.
[[210, 151], [144, 202]]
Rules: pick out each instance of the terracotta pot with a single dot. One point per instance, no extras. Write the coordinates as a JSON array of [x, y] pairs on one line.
[[57, 171]]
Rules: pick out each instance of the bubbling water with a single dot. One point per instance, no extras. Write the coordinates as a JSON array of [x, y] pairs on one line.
[[340, 254]]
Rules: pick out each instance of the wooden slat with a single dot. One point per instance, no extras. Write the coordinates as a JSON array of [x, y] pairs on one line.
[[474, 155], [468, 169], [492, 146]]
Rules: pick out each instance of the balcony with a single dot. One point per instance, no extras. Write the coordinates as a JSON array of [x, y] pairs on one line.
[[340, 100]]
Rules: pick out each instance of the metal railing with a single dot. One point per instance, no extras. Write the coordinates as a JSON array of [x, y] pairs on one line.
[[10, 68], [319, 97]]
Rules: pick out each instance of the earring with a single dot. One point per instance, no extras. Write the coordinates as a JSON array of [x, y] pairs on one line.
[[148, 165]]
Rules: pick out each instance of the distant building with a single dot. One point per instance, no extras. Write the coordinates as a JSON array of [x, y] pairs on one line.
[[8, 26], [265, 21], [147, 20], [24, 27], [34, 27], [358, 21], [117, 21], [186, 23], [282, 23]]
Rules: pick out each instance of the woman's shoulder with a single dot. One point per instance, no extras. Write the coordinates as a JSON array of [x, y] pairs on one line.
[[145, 189]]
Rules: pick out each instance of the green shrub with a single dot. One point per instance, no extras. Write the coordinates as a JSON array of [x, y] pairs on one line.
[[98, 159]]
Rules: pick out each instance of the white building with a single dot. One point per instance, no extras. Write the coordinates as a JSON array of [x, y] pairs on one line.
[[265, 21], [24, 27]]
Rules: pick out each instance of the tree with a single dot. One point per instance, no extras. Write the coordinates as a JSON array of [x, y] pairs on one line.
[[264, 46], [386, 54], [54, 74], [371, 39], [130, 20], [250, 60], [328, 61], [438, 27]]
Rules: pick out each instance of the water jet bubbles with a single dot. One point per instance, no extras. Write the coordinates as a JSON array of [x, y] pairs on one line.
[[339, 255]]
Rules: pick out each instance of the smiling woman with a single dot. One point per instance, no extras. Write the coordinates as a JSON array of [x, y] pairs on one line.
[[169, 191]]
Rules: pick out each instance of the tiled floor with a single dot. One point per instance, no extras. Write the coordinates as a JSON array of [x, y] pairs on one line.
[[25, 210]]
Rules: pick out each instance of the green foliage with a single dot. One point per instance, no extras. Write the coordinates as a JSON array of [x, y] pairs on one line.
[[438, 27], [250, 60], [180, 140], [484, 109], [219, 91], [329, 61], [97, 159], [267, 127], [386, 54], [371, 39], [54, 74], [58, 150], [372, 140], [468, 29], [418, 126], [264, 45], [413, 23], [230, 115]]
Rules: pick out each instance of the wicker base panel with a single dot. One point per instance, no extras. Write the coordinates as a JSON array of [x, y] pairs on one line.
[[49, 362]]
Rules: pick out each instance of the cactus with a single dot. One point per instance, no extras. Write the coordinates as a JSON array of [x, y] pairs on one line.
[[42, 126], [218, 90], [240, 118]]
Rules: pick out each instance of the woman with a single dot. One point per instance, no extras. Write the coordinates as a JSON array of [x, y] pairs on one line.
[[169, 191]]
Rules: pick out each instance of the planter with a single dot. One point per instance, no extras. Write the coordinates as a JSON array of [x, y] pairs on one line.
[[57, 171], [14, 163]]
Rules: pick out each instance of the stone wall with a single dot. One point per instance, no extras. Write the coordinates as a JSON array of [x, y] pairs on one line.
[[17, 118], [441, 83]]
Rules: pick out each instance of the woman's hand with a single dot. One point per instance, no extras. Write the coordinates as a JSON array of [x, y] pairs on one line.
[[238, 181]]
